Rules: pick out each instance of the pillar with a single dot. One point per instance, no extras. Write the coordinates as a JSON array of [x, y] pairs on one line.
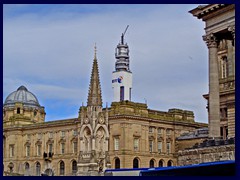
[[214, 102]]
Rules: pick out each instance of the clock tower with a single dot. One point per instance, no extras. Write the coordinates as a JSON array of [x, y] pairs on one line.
[[122, 76]]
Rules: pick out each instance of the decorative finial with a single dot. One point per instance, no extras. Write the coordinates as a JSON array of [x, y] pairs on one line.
[[95, 51]]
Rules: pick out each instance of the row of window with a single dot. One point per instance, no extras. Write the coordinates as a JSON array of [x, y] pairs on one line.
[[36, 170], [151, 145], [160, 130], [39, 149], [136, 163], [50, 134]]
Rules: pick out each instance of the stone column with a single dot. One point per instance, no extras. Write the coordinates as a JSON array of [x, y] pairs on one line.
[[232, 30], [214, 102]]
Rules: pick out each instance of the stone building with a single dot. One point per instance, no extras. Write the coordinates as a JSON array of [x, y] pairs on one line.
[[124, 135], [220, 39]]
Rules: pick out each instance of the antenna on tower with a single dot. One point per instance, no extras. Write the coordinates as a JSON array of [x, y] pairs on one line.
[[124, 34]]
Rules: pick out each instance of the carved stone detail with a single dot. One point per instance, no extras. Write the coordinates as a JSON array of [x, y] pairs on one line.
[[211, 40]]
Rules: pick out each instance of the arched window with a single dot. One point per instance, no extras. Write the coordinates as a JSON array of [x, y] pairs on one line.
[[62, 168], [151, 163], [160, 163], [170, 163], [38, 169], [117, 163], [27, 167], [74, 167], [135, 163]]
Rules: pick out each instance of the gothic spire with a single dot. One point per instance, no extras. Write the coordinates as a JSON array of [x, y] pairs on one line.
[[94, 92]]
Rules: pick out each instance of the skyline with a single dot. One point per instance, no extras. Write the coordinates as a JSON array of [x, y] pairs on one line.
[[50, 49]]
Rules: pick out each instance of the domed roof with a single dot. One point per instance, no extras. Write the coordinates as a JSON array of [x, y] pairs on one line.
[[22, 95]]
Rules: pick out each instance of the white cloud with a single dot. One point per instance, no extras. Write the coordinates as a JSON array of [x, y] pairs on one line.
[[52, 53]]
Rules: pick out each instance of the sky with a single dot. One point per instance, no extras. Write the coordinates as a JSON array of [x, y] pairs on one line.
[[50, 49]]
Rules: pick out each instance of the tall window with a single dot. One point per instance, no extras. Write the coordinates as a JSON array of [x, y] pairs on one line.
[[224, 67], [168, 147], [50, 134], [39, 136], [168, 132], [62, 148], [74, 146], [136, 144], [38, 169], [116, 144], [151, 163], [122, 93], [170, 163], [62, 133], [50, 148], [39, 148], [159, 146], [117, 163], [74, 167], [11, 150], [28, 150], [27, 167], [150, 129], [135, 163], [160, 163], [74, 132], [18, 110], [151, 145], [62, 168]]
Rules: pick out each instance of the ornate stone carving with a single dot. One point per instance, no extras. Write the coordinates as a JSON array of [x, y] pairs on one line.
[[232, 30], [211, 40]]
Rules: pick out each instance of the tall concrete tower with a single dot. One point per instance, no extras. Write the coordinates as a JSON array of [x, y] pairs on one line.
[[122, 76]]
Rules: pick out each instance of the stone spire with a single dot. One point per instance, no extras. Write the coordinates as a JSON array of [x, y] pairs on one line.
[[94, 92]]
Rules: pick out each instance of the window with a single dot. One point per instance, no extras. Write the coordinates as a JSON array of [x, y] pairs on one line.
[[170, 163], [122, 93], [27, 168], [74, 167], [27, 150], [75, 132], [151, 163], [62, 168], [74, 146], [151, 145], [168, 132], [18, 110], [168, 147], [150, 129], [28, 136], [116, 144], [38, 169], [117, 163], [11, 150], [160, 163], [136, 144], [159, 146], [62, 148], [62, 133], [39, 148], [224, 67], [159, 131], [39, 136], [50, 134], [50, 148], [135, 163]]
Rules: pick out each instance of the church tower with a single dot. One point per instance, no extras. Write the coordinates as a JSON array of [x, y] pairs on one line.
[[122, 76], [94, 134]]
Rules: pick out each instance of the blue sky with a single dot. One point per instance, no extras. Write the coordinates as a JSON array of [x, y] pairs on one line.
[[50, 49]]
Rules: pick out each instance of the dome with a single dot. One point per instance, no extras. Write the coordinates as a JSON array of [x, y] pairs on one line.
[[22, 95]]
